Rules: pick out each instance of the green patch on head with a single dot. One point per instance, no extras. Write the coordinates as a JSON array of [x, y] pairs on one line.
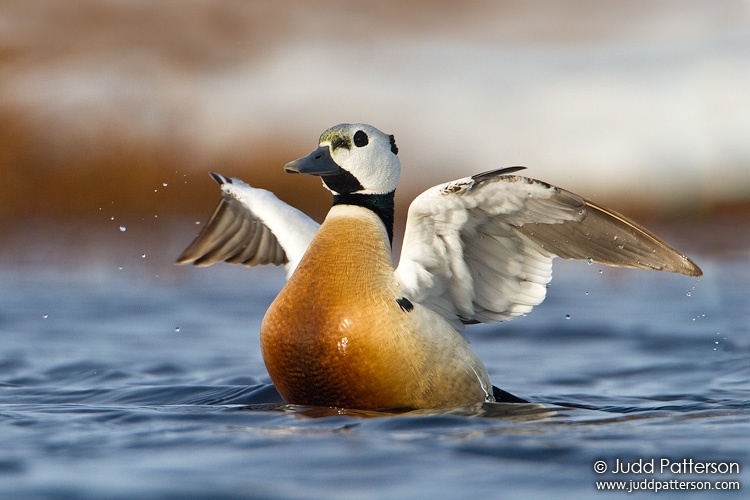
[[337, 137]]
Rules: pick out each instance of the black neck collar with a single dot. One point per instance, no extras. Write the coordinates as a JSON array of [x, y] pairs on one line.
[[381, 204]]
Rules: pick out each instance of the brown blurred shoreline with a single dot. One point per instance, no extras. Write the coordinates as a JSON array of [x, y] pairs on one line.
[[163, 176], [159, 178]]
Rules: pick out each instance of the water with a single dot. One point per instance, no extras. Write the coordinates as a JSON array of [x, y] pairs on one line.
[[147, 381]]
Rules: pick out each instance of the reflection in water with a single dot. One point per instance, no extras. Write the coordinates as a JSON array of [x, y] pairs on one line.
[[512, 412]]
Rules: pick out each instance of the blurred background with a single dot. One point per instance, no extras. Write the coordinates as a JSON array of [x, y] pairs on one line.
[[112, 112], [116, 364]]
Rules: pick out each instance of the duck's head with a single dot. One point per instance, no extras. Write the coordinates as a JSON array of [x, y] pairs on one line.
[[353, 158]]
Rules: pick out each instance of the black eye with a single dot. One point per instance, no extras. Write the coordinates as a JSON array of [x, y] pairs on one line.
[[360, 139]]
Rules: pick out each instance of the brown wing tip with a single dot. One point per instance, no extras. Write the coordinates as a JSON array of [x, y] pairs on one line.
[[181, 261], [690, 268], [187, 257]]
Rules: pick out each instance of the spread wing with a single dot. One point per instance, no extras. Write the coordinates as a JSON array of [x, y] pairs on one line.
[[251, 226], [480, 249]]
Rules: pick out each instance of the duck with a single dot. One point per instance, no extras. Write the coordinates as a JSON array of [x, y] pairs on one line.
[[351, 330]]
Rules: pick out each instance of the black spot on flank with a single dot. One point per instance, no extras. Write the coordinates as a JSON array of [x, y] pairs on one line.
[[394, 148], [502, 396], [341, 141], [405, 304], [360, 138]]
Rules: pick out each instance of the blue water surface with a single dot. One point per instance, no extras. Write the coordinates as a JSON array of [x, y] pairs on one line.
[[139, 379]]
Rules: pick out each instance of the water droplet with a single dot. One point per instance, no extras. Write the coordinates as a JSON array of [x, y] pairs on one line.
[[601, 272], [123, 229], [615, 238], [567, 316], [197, 223], [45, 316], [164, 184], [119, 268], [621, 247], [112, 218], [689, 293], [587, 293], [590, 260], [177, 329], [143, 256]]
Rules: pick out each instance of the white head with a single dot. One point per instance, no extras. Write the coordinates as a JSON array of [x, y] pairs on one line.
[[353, 158]]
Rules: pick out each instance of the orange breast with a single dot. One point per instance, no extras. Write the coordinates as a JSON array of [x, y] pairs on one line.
[[332, 334], [337, 335]]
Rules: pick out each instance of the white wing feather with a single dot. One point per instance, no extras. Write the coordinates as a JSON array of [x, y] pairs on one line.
[[480, 249], [251, 226]]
